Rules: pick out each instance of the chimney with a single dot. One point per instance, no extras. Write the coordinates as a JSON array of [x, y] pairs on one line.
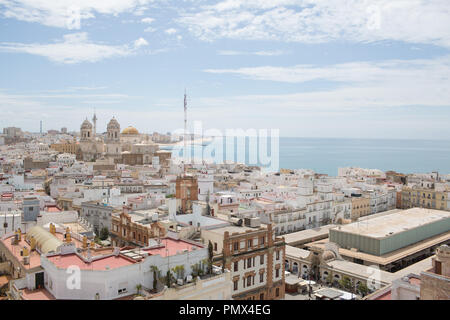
[[84, 242], [68, 236]]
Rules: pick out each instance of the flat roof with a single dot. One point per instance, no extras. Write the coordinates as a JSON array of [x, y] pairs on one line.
[[232, 229], [388, 257], [359, 270], [328, 293], [308, 235], [293, 280], [38, 294], [109, 262], [397, 222], [171, 247], [297, 252], [35, 257]]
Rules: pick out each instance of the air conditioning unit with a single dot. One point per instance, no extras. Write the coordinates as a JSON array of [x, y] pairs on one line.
[[189, 278], [180, 282]]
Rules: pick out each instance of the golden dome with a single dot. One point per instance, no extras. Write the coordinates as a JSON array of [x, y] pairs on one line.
[[130, 130]]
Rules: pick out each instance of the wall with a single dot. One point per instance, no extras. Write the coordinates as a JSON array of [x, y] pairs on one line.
[[57, 217], [215, 288]]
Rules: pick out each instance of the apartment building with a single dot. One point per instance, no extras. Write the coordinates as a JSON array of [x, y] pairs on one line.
[[425, 198], [360, 207], [255, 258], [98, 214], [136, 230]]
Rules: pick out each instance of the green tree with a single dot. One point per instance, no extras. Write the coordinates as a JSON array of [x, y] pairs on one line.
[[210, 256], [179, 271], [345, 283], [363, 289], [168, 278], [155, 271], [329, 278], [223, 260], [197, 271], [138, 288], [104, 233], [208, 207]]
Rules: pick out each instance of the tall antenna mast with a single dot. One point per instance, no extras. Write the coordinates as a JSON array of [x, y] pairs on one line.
[[94, 119], [185, 132]]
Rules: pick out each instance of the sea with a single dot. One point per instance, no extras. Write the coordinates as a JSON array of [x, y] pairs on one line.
[[326, 155]]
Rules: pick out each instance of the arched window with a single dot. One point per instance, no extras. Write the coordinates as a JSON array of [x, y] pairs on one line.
[[295, 268]]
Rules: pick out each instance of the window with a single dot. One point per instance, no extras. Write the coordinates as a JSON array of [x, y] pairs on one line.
[[261, 240], [236, 246], [249, 281], [278, 255], [235, 285], [261, 296], [236, 266], [261, 277], [277, 273], [261, 259], [243, 282], [250, 243], [249, 262], [215, 246], [277, 292]]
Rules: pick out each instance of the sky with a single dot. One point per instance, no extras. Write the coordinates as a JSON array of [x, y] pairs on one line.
[[354, 68]]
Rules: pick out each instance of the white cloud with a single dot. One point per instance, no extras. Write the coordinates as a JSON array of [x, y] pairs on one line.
[[171, 31], [256, 53], [67, 13], [149, 29], [74, 48], [141, 42], [318, 21], [359, 84], [147, 20]]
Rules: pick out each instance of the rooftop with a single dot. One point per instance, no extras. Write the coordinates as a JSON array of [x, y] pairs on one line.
[[308, 235], [171, 247], [297, 252], [105, 263], [388, 257], [234, 229], [38, 294], [397, 222]]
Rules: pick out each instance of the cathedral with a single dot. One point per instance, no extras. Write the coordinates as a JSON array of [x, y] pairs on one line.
[[128, 147]]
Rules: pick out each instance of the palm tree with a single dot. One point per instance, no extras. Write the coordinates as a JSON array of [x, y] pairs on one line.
[[179, 271], [155, 271], [138, 288]]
